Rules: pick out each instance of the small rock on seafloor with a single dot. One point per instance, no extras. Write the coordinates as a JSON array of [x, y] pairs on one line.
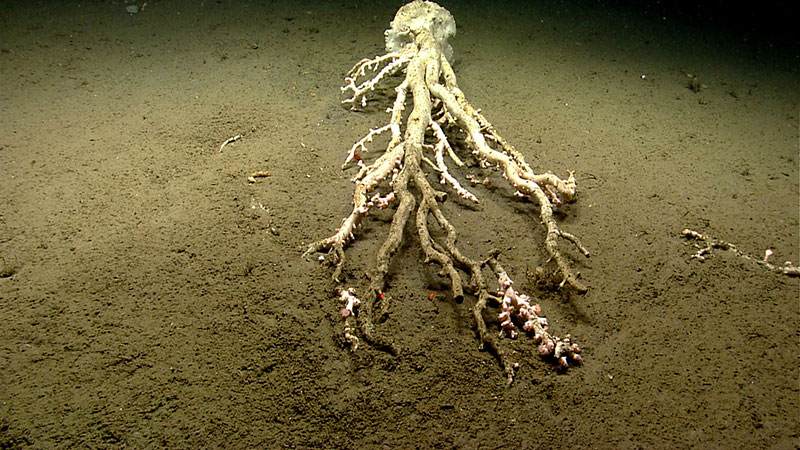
[[132, 9]]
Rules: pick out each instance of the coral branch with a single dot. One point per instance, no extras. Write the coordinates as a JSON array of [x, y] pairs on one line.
[[440, 165], [393, 61], [709, 244], [361, 144], [515, 304]]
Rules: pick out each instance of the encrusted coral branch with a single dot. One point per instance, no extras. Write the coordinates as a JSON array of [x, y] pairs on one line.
[[514, 304], [351, 302]]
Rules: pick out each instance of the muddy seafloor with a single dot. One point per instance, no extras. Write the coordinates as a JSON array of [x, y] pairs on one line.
[[151, 297]]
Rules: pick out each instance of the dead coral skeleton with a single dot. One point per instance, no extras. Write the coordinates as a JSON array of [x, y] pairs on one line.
[[417, 46], [706, 245]]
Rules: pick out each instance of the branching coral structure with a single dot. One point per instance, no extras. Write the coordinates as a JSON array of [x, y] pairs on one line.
[[420, 143]]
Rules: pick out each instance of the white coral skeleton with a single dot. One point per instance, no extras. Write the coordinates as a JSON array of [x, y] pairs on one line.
[[418, 50]]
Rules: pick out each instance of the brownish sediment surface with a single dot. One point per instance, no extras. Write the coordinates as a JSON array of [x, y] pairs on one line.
[[152, 297]]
